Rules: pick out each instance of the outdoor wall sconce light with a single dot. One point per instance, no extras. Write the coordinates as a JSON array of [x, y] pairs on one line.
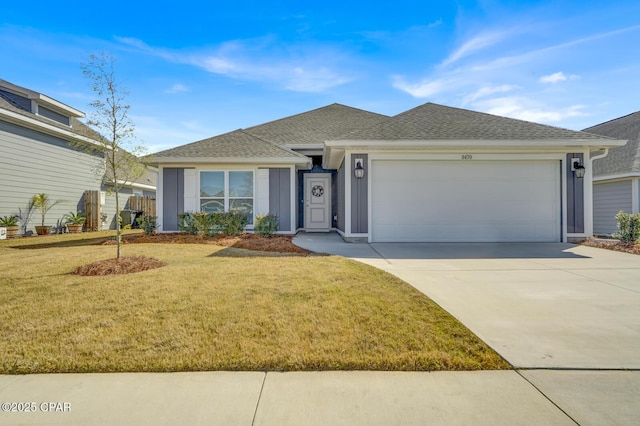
[[359, 170], [577, 168]]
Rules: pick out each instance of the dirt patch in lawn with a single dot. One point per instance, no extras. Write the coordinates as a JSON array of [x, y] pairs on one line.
[[613, 245], [275, 243]]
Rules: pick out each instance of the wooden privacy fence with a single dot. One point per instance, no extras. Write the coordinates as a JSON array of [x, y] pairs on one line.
[[94, 208], [92, 211], [145, 204]]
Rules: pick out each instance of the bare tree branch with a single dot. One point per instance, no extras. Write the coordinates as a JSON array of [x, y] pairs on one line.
[[109, 117]]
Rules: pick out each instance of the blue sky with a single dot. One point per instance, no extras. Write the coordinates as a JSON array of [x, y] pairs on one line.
[[200, 68]]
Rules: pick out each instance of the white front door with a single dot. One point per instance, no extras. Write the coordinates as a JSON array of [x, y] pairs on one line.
[[317, 201]]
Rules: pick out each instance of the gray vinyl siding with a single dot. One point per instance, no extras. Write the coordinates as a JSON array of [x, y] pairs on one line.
[[340, 195], [52, 115], [280, 197], [575, 198], [359, 199], [172, 197], [608, 199], [32, 162]]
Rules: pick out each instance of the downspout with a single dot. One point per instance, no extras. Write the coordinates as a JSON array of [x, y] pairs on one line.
[[588, 193], [597, 157]]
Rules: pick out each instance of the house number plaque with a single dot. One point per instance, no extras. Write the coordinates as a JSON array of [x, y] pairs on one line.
[[467, 157]]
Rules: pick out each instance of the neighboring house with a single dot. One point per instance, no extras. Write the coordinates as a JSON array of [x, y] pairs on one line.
[[432, 174], [39, 152], [616, 177]]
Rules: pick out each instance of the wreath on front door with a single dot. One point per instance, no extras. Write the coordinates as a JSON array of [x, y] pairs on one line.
[[317, 191]]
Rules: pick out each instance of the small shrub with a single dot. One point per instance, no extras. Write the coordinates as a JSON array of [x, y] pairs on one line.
[[232, 223], [75, 218], [210, 224], [148, 224], [628, 227], [266, 224], [186, 223], [9, 221]]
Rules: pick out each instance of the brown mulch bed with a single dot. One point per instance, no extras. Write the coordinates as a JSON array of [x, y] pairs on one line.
[[613, 245], [275, 243], [124, 265]]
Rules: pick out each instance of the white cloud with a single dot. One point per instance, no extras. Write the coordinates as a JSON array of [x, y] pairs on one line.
[[553, 78], [165, 134], [476, 43], [177, 88], [298, 68], [525, 109], [489, 90], [423, 89], [557, 77]]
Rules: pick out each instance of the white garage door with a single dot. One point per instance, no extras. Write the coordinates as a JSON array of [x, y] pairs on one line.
[[465, 201]]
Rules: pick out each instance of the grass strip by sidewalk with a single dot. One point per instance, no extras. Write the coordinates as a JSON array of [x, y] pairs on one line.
[[214, 308]]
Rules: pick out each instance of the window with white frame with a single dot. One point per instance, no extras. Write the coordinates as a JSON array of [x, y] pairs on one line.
[[231, 190]]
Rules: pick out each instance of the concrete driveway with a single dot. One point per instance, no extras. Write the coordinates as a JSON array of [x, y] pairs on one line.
[[567, 317], [538, 305]]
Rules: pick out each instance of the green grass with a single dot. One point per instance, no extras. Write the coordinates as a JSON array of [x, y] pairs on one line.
[[214, 308]]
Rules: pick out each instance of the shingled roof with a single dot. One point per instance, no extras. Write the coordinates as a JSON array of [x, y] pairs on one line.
[[238, 145], [624, 159], [437, 122], [315, 126]]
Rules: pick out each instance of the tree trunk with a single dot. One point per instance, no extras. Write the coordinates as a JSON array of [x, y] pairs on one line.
[[118, 236]]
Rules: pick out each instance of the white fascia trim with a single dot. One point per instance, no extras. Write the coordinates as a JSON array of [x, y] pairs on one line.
[[478, 143], [59, 106], [44, 127], [228, 160], [475, 156], [616, 177], [452, 152]]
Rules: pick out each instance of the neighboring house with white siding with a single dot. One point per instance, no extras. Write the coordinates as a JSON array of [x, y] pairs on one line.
[[39, 153], [616, 177]]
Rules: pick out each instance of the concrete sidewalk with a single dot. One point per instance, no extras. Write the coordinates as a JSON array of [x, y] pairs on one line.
[[254, 398]]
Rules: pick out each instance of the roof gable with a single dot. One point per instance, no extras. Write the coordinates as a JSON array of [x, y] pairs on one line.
[[437, 122], [237, 144], [624, 159], [315, 126]]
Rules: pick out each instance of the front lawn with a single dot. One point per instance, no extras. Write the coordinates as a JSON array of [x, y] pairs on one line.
[[217, 308]]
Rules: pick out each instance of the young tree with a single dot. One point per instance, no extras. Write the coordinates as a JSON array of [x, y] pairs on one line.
[[109, 117]]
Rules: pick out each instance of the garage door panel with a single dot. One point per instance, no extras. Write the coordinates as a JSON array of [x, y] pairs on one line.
[[444, 201], [497, 211], [456, 232]]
